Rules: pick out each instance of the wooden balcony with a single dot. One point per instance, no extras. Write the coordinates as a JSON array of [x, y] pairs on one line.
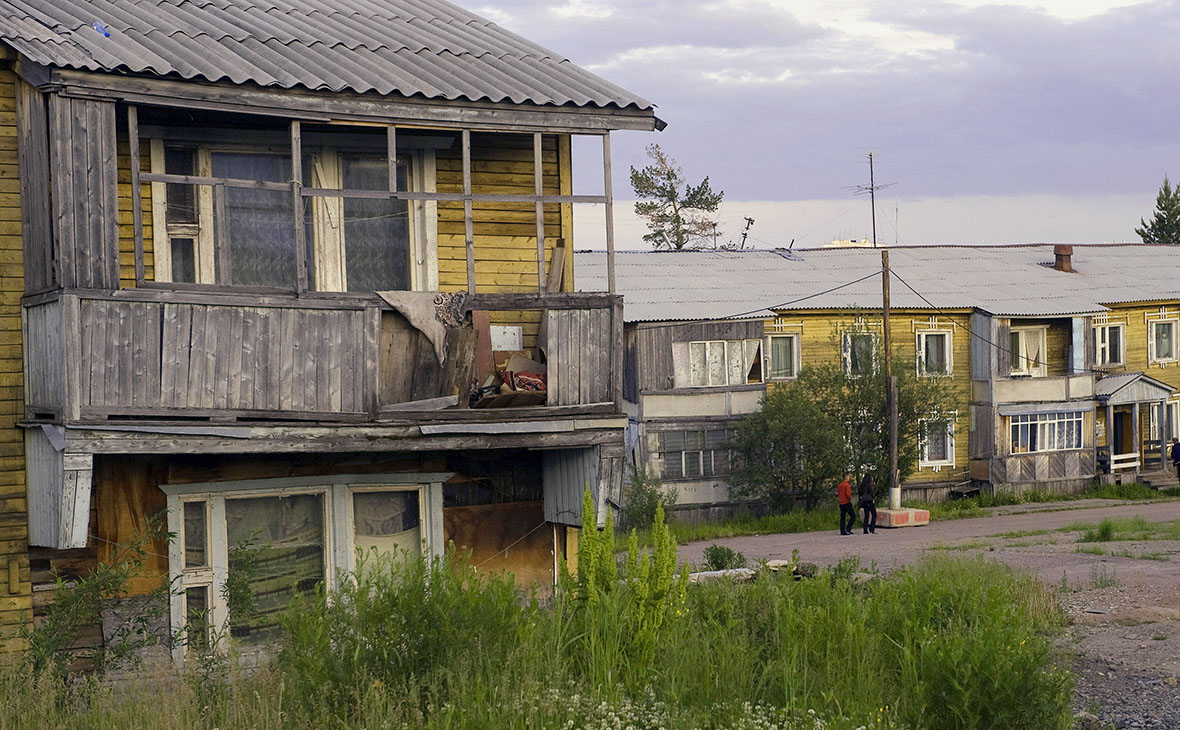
[[186, 355]]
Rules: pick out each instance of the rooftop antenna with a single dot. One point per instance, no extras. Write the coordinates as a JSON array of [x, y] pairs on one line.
[[746, 231], [871, 190]]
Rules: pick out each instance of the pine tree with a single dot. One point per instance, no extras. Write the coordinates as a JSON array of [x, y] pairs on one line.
[[677, 213], [1165, 224]]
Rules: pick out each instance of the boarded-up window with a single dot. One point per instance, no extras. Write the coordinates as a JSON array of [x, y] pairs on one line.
[[694, 454]]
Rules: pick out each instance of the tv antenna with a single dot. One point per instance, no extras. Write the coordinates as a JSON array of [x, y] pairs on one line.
[[871, 190]]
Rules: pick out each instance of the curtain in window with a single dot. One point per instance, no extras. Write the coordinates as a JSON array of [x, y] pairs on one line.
[[935, 354], [259, 226], [387, 522], [376, 232], [276, 551], [716, 363], [782, 357]]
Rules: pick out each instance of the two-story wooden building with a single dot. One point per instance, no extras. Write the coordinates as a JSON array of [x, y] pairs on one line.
[[1030, 339], [294, 275]]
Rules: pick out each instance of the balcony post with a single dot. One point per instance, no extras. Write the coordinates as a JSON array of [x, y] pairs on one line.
[[608, 192], [538, 185], [469, 228], [297, 207], [136, 192]]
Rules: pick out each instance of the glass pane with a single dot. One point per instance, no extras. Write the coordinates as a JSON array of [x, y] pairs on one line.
[[195, 540], [196, 607], [181, 199], [672, 440], [276, 551], [935, 353], [692, 463], [936, 442], [259, 226], [696, 357], [716, 363], [694, 440], [1164, 341], [1114, 339], [736, 368], [184, 260], [387, 522], [1016, 351], [716, 439], [376, 232], [782, 357], [862, 354], [673, 465]]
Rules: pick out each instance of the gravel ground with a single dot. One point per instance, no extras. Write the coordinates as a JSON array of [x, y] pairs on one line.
[[1123, 606]]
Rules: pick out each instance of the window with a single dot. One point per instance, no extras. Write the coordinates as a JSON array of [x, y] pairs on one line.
[[1108, 344], [725, 362], [694, 454], [783, 357], [244, 550], [1161, 340], [246, 236], [1027, 348], [1038, 432], [1173, 411], [859, 353], [934, 352], [936, 443]]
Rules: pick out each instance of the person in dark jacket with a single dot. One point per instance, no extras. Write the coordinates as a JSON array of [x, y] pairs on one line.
[[868, 504]]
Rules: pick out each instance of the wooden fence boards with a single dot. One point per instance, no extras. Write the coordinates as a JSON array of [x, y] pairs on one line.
[[44, 384], [580, 368]]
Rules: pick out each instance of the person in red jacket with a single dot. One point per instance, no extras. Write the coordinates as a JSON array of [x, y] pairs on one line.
[[844, 497]]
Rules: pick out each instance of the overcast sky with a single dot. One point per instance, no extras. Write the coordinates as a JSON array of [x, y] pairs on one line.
[[1038, 121]]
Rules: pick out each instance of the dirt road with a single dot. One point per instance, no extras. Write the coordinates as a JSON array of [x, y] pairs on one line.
[[1123, 596]]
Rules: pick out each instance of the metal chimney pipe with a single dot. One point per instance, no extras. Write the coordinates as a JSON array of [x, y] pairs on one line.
[[1062, 255]]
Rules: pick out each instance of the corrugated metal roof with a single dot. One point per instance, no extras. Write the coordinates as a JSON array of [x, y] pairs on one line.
[[427, 48], [1011, 281]]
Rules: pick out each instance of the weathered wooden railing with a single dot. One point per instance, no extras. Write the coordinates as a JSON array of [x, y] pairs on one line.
[[183, 355]]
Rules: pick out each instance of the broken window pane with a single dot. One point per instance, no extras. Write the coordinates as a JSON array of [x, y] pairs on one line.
[[276, 551]]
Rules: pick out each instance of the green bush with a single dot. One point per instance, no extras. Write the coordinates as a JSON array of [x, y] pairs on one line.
[[720, 557], [642, 494]]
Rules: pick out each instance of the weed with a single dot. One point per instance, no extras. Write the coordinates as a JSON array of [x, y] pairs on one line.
[[1091, 549], [1020, 533], [642, 493], [1101, 577], [1159, 637], [720, 557], [969, 545]]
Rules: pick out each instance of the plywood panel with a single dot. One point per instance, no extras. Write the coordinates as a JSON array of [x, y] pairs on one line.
[[512, 537]]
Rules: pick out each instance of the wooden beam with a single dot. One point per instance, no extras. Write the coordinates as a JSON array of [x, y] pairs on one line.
[[136, 193], [222, 241], [608, 188], [228, 182], [561, 300], [297, 206], [468, 224], [391, 156], [538, 183], [345, 106]]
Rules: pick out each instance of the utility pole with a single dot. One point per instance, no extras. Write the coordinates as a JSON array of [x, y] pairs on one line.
[[890, 384], [873, 202]]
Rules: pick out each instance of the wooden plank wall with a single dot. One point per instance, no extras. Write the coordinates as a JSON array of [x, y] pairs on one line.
[[126, 228], [15, 607], [34, 185], [148, 355], [84, 191], [45, 386], [820, 342], [654, 346], [409, 368], [580, 367]]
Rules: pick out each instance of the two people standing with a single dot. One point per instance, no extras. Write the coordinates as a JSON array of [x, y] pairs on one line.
[[867, 503]]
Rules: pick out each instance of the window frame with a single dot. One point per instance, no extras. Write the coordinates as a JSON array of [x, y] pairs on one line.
[[924, 462], [847, 340], [1173, 410], [1041, 369], [768, 358], [922, 336], [1021, 428], [1152, 340], [713, 472], [421, 176], [1102, 344], [338, 531], [747, 364]]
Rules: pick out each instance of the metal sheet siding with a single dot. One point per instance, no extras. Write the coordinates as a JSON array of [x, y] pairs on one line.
[[427, 48]]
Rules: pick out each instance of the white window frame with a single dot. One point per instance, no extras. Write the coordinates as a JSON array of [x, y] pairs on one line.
[[1103, 357], [1153, 427], [327, 239], [922, 337], [1020, 361], [949, 439], [726, 345], [1151, 341], [1045, 423], [846, 339], [768, 363], [339, 541]]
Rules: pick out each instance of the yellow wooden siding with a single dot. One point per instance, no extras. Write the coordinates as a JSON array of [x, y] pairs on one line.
[[126, 228], [15, 609], [820, 343]]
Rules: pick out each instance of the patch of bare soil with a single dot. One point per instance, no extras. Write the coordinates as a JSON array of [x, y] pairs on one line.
[[1122, 598]]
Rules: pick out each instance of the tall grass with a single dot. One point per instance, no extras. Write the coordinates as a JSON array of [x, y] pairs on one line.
[[949, 644]]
